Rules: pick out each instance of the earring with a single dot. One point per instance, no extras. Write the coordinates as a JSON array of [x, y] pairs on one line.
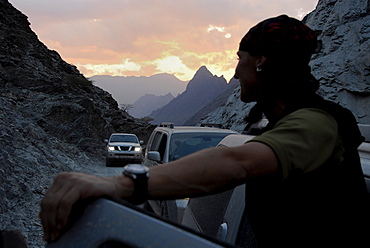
[[259, 69]]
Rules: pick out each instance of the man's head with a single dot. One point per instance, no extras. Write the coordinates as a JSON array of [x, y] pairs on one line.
[[281, 48], [280, 36]]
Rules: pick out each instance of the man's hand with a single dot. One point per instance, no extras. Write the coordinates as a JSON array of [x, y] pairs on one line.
[[68, 188]]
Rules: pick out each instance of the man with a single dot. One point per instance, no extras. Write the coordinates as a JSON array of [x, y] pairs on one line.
[[291, 171]]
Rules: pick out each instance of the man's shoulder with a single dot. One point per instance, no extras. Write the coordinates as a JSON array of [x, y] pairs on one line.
[[308, 117]]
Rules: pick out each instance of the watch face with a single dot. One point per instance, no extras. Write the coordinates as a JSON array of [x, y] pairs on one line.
[[136, 168]]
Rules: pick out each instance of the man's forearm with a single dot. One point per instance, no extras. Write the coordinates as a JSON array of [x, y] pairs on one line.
[[214, 169]]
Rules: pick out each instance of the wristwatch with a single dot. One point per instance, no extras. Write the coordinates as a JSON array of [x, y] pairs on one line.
[[139, 174]]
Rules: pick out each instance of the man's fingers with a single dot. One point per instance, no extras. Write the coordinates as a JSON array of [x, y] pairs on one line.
[[64, 208], [66, 190], [56, 205], [48, 210], [48, 216]]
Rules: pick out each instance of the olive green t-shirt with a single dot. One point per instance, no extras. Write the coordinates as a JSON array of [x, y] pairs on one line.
[[302, 140]]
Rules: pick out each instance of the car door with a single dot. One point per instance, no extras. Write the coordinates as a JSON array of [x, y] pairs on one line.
[[221, 215], [156, 152]]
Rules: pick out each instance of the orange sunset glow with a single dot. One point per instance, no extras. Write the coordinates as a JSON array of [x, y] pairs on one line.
[[146, 37]]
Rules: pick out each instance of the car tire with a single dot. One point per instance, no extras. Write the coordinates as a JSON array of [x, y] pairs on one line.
[[107, 163]]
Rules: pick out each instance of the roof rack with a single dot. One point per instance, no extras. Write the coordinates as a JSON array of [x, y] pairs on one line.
[[166, 124], [211, 125]]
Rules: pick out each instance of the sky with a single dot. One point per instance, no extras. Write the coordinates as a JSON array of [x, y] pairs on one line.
[[147, 37]]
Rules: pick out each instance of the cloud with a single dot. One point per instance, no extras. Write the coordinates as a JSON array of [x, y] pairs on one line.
[[142, 36], [113, 69], [219, 29], [173, 65]]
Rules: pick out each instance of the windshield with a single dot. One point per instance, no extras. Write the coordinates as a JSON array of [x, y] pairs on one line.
[[123, 138], [183, 144]]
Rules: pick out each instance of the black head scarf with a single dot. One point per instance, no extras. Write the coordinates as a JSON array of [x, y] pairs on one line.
[[281, 36]]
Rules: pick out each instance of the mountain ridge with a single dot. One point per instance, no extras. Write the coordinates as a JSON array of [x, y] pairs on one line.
[[146, 104], [127, 90], [200, 91]]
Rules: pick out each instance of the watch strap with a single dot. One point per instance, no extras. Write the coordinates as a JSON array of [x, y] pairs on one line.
[[140, 193]]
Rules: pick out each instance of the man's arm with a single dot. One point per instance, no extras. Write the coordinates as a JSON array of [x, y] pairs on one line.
[[213, 169]]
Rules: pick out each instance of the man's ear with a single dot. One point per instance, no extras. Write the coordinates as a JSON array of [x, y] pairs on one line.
[[260, 61]]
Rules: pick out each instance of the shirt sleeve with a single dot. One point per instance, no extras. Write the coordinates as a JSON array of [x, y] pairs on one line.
[[302, 141]]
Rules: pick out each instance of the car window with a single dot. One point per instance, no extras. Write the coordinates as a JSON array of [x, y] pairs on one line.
[[183, 144], [159, 144], [124, 138], [162, 146], [154, 145]]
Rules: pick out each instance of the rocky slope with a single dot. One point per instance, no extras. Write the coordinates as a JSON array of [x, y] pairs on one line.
[[52, 119], [342, 66]]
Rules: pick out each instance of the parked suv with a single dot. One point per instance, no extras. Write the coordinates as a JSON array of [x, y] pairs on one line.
[[168, 143], [123, 147]]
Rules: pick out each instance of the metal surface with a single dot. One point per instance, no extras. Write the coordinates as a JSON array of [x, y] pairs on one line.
[[105, 220]]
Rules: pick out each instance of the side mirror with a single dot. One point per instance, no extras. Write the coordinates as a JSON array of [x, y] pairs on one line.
[[155, 156], [106, 141], [141, 142]]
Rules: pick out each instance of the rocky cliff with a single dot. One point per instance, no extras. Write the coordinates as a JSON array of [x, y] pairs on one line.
[[342, 66], [52, 119]]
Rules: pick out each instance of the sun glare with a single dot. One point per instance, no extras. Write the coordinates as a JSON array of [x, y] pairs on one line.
[[174, 65]]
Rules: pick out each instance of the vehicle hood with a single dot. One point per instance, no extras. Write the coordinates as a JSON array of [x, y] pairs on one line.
[[123, 144]]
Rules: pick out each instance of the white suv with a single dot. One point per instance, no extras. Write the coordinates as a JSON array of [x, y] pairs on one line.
[[123, 147], [168, 143]]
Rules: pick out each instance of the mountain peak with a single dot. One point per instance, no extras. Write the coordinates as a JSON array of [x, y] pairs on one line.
[[203, 72], [202, 75]]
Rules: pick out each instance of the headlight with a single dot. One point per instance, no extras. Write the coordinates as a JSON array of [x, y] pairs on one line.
[[111, 148], [137, 149]]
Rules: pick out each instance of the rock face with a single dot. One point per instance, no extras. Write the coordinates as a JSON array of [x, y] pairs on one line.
[[342, 66], [52, 120]]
